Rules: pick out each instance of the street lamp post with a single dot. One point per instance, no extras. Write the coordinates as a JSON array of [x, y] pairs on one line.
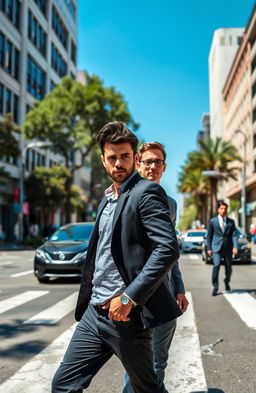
[[243, 191], [22, 174]]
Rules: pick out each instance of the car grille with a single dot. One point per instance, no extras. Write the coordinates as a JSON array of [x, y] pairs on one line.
[[196, 243], [56, 256]]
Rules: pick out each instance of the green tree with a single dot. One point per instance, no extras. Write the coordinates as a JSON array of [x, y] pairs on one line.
[[70, 116], [45, 189], [215, 155], [197, 185], [9, 145]]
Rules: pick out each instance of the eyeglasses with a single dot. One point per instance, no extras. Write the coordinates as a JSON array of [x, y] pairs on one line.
[[158, 163]]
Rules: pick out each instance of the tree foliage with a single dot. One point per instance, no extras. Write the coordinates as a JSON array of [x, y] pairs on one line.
[[70, 117], [9, 146]]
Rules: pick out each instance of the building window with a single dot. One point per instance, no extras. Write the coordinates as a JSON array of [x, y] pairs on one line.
[[11, 8], [254, 115], [2, 49], [42, 5], [36, 33], [239, 40], [35, 79], [59, 28], [222, 41], [1, 98], [9, 57], [72, 75], [57, 62], [72, 8], [8, 102], [73, 52], [15, 108]]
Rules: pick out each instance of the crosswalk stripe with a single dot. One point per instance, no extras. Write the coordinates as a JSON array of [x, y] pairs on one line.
[[245, 306], [184, 372], [36, 375], [18, 300], [193, 256], [21, 274], [52, 315]]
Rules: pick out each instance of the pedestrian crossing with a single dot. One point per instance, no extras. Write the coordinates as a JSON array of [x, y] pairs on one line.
[[185, 353]]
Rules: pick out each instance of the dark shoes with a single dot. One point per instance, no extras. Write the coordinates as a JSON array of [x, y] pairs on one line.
[[227, 286], [214, 291]]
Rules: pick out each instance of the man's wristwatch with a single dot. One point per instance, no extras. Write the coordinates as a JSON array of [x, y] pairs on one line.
[[125, 300]]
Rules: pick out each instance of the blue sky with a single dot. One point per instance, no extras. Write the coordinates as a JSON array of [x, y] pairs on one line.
[[156, 54]]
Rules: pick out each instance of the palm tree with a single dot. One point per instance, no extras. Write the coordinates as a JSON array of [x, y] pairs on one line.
[[215, 155], [197, 185]]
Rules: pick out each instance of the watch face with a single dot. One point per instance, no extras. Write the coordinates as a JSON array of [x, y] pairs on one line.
[[124, 299]]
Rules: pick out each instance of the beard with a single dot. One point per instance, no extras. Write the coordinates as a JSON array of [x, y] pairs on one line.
[[119, 175]]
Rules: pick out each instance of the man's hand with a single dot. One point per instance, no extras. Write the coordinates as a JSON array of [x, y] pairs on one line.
[[209, 252], [117, 310], [182, 301], [235, 251]]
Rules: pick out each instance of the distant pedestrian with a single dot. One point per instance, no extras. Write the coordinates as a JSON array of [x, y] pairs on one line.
[[151, 165], [221, 244], [123, 290]]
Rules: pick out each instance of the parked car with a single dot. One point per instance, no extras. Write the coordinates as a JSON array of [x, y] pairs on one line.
[[193, 240], [243, 255], [179, 238], [64, 253]]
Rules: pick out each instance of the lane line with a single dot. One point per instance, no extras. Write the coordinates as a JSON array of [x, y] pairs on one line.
[[245, 306], [52, 315], [18, 300], [36, 375], [6, 263], [184, 372], [21, 274]]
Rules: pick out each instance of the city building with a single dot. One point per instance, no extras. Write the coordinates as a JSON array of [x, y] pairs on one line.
[[223, 49], [38, 46], [239, 97], [204, 133]]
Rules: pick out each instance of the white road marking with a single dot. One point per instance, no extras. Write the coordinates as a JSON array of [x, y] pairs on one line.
[[36, 375], [245, 306], [184, 372], [52, 315], [193, 256], [6, 263], [18, 300], [21, 274]]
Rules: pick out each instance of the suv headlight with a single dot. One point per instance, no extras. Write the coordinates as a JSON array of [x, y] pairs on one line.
[[41, 254], [80, 256]]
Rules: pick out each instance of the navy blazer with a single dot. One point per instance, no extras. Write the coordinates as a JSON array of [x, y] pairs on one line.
[[217, 240], [144, 247]]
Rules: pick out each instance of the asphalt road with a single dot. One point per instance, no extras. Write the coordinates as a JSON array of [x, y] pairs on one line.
[[216, 345]]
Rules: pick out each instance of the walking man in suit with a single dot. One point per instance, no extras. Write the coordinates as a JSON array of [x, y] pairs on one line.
[[221, 243], [151, 165], [124, 288]]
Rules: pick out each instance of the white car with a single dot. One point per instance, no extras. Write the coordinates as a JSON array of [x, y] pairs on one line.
[[193, 240]]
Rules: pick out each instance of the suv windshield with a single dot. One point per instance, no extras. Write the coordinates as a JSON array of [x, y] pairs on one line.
[[73, 232]]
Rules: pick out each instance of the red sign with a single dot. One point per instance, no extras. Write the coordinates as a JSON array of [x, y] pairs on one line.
[[26, 208], [16, 194]]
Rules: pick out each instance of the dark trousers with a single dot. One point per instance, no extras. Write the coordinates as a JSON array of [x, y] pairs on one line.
[[95, 340], [217, 257]]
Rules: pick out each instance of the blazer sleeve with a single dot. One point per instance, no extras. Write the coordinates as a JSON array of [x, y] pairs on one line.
[[155, 218], [177, 279], [209, 235], [234, 237]]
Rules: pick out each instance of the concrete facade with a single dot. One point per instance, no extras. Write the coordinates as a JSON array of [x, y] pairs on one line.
[[239, 97], [223, 49]]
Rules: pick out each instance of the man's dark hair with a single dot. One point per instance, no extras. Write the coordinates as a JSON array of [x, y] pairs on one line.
[[116, 132], [221, 203], [151, 146]]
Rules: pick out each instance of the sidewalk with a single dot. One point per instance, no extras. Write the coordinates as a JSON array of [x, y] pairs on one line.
[[15, 247]]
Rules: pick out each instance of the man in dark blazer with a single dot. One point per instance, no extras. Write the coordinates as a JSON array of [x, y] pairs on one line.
[[221, 243], [124, 288], [151, 165]]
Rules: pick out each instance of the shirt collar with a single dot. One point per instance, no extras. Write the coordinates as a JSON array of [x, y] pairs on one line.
[[110, 192], [222, 218]]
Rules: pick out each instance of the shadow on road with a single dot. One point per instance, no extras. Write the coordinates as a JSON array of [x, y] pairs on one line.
[[16, 328]]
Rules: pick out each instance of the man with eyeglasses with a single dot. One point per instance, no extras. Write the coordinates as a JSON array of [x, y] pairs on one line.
[[151, 165]]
